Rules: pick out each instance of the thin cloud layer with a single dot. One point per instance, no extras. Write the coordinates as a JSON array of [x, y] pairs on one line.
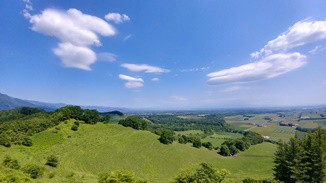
[[131, 81], [76, 31], [299, 34], [117, 17], [145, 68], [268, 67], [107, 57]]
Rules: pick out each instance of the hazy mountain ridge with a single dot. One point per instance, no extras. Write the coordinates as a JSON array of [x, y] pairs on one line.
[[8, 102]]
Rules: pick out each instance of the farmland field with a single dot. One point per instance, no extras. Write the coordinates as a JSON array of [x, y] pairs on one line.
[[218, 138]]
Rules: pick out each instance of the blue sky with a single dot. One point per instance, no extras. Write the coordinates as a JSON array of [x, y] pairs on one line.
[[164, 54]]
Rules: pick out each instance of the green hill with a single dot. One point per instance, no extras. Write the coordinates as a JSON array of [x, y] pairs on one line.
[[95, 149]]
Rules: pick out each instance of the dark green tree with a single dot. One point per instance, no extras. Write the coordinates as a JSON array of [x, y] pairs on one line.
[[91, 116], [224, 150], [196, 142], [166, 136]]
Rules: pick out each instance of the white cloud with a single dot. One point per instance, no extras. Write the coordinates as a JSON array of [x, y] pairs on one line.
[[144, 67], [299, 34], [71, 26], [76, 31], [127, 37], [268, 67], [117, 17], [155, 79], [316, 49], [195, 69], [75, 56], [107, 57], [131, 81], [179, 98], [234, 88]]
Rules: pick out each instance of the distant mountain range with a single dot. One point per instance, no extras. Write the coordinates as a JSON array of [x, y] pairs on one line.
[[7, 102]]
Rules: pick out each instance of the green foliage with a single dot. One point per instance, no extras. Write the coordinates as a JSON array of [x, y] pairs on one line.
[[5, 140], [166, 136], [208, 145], [11, 163], [225, 151], [196, 143], [52, 161], [74, 127], [118, 176], [18, 113], [206, 173], [233, 150], [134, 122], [27, 142], [302, 160], [91, 116], [106, 118], [18, 131], [68, 112], [34, 171], [182, 139], [207, 123]]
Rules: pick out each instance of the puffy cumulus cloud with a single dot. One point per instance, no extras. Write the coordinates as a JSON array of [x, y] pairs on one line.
[[268, 67], [131, 81], [71, 26], [145, 68], [117, 17], [75, 56], [299, 34], [76, 31]]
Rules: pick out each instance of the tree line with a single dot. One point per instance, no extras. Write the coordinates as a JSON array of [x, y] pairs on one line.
[[18, 125]]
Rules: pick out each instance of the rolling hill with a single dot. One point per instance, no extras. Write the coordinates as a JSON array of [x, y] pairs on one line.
[[95, 149]]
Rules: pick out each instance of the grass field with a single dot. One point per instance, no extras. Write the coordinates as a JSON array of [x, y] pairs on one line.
[[218, 138], [275, 132], [94, 149]]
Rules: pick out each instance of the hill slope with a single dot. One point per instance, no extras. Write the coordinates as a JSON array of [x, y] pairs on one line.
[[7, 102], [94, 149]]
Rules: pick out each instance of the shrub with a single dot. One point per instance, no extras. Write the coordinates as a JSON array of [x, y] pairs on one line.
[[74, 127], [134, 122], [11, 163], [208, 145], [52, 161], [196, 143], [206, 173], [224, 151], [118, 176], [183, 139], [27, 142], [5, 140], [34, 171], [166, 137]]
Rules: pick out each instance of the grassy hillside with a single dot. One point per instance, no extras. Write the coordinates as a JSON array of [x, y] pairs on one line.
[[94, 149]]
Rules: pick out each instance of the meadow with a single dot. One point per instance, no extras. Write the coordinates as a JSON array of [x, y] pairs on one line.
[[100, 148]]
